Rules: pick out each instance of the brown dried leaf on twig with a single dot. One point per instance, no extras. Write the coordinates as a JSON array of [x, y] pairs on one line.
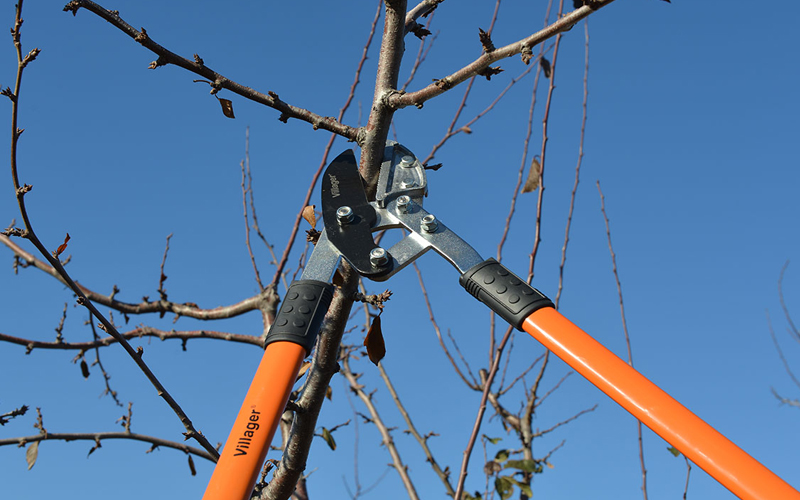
[[376, 348], [533, 177], [310, 216], [545, 67], [31, 454], [61, 247], [191, 466], [227, 107]]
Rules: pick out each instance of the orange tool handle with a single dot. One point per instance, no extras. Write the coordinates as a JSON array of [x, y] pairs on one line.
[[743, 475], [246, 449], [291, 337]]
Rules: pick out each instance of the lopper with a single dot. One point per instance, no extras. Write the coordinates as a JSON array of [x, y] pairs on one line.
[[350, 219]]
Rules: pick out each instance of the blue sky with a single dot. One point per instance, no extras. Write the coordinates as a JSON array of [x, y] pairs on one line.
[[691, 132]]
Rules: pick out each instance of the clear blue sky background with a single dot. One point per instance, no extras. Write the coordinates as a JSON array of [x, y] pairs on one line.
[[691, 131]]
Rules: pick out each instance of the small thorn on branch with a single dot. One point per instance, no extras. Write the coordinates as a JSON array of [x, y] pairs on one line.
[[198, 60]]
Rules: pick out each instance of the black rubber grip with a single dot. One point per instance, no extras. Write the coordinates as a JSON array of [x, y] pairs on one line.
[[301, 313], [503, 291]]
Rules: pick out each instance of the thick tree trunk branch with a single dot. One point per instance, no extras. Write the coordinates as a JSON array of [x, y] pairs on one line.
[[324, 366], [380, 117]]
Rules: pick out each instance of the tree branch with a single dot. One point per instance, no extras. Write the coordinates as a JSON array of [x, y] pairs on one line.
[[216, 80], [480, 65], [97, 437], [377, 128]]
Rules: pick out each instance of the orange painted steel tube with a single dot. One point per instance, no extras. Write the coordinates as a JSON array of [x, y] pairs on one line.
[[743, 475], [246, 449]]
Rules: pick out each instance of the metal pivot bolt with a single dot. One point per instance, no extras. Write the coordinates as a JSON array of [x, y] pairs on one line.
[[344, 215], [403, 204], [408, 183], [429, 223], [379, 257], [407, 161]]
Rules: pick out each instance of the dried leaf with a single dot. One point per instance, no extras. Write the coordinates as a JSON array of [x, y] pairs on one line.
[[545, 64], [328, 437], [310, 216], [533, 177], [376, 348], [191, 466], [227, 107], [84, 369], [31, 454], [492, 467], [303, 369], [62, 246], [329, 393]]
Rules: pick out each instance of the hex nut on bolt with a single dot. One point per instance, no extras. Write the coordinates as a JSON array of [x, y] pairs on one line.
[[429, 223], [379, 257], [407, 161], [403, 204], [344, 215]]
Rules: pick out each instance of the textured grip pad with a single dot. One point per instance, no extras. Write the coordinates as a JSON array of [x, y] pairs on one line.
[[301, 313], [504, 293]]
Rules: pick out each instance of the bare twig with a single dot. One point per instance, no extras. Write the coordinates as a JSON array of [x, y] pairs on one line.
[[324, 161], [472, 382], [578, 166], [187, 309], [423, 441], [142, 331], [462, 477], [793, 329], [217, 81], [487, 58], [625, 330], [162, 292], [56, 264], [100, 436], [375, 418], [246, 188], [16, 412]]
